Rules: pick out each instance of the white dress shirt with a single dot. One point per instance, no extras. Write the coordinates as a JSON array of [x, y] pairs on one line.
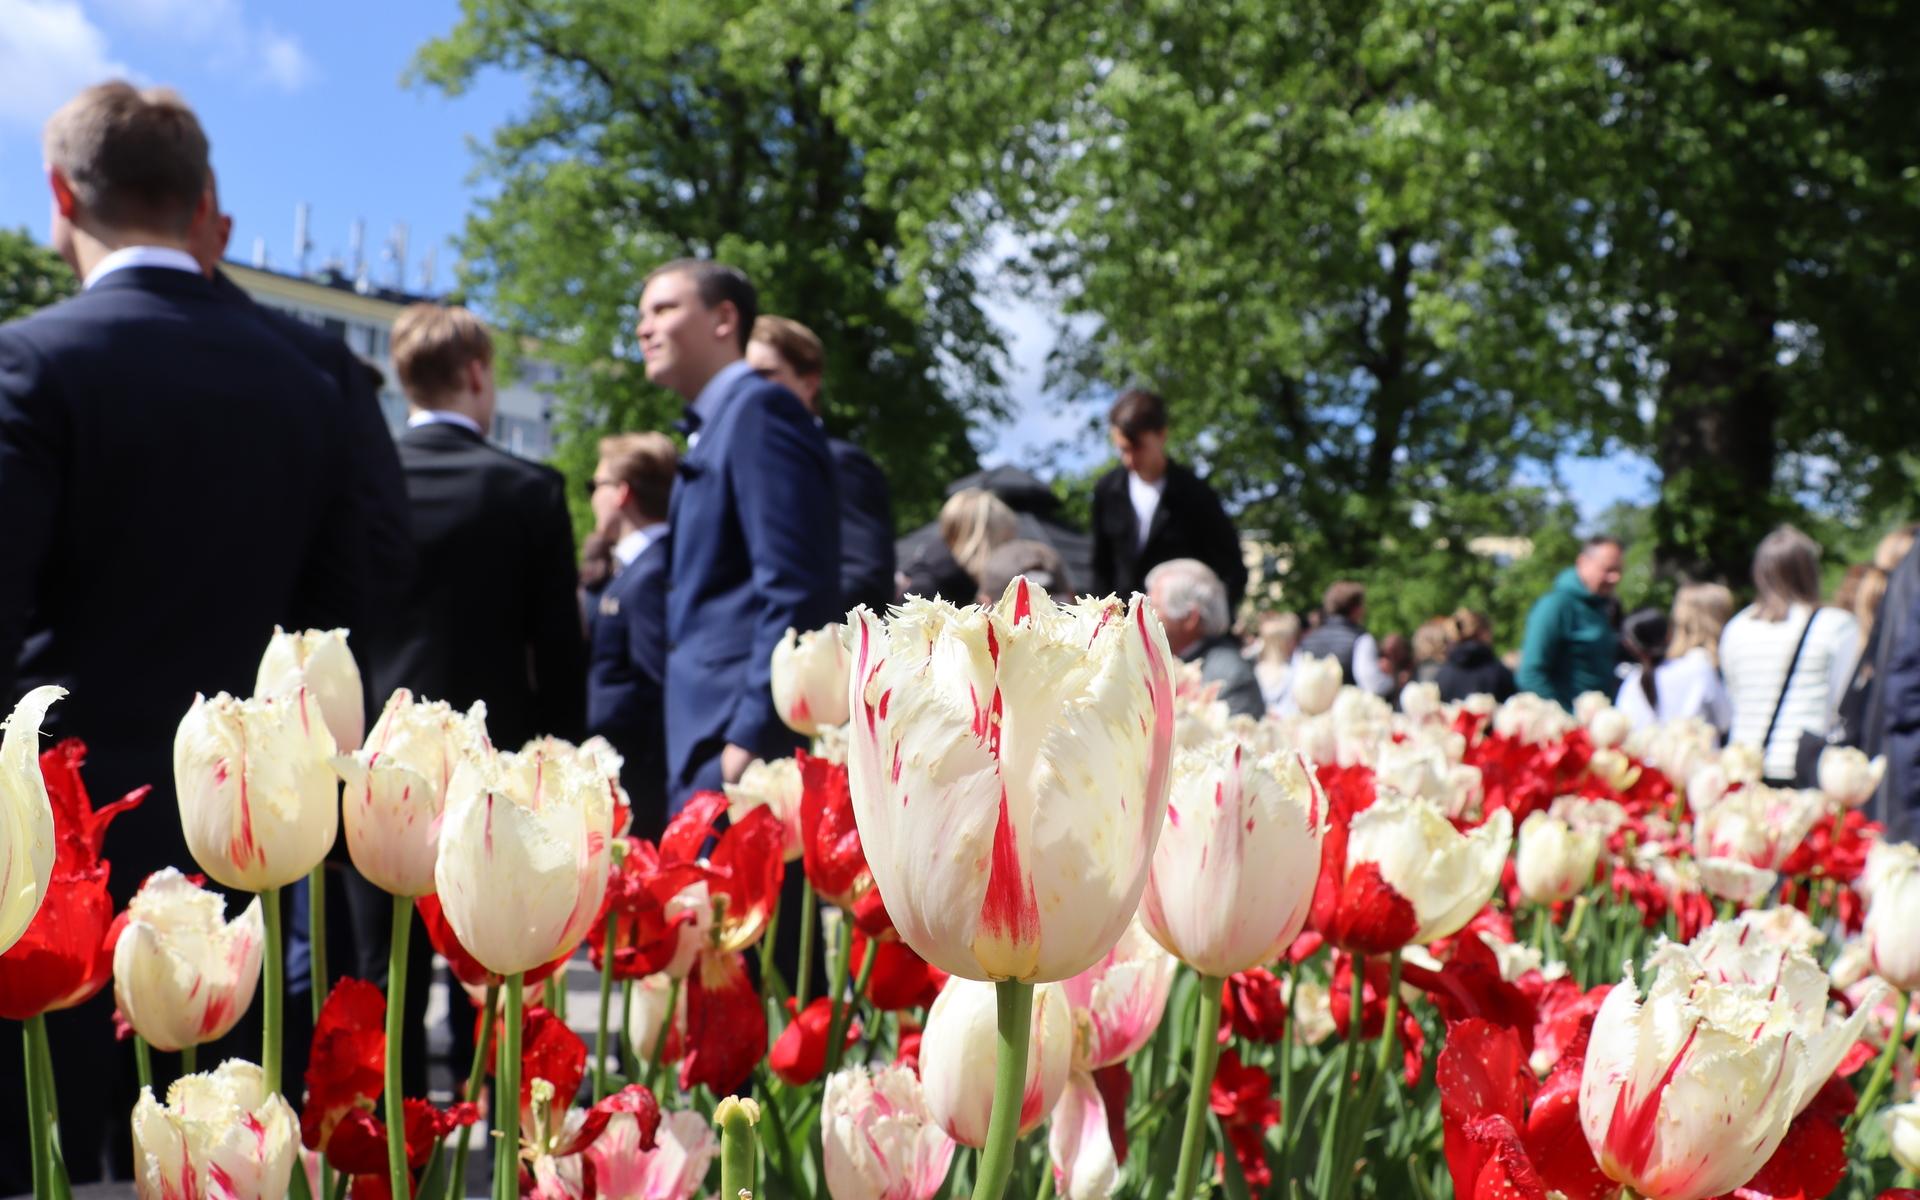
[[1146, 502], [440, 416], [141, 256], [634, 542]]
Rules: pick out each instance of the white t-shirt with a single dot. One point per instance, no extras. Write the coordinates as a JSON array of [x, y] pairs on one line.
[[1753, 661], [1146, 502], [1688, 686]]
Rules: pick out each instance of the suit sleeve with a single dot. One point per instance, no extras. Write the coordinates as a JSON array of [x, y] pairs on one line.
[[1538, 651], [556, 645], [866, 524], [1222, 545], [1103, 582], [382, 489], [1902, 689], [332, 593], [788, 508], [33, 455]]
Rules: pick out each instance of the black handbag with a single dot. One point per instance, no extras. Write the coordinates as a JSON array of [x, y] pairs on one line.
[[1803, 775]]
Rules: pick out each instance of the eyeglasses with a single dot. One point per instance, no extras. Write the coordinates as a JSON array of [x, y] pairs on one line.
[[595, 484]]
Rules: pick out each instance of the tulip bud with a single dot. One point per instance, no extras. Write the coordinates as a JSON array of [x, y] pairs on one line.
[[258, 798], [26, 817], [1893, 914], [397, 789], [879, 1140], [220, 1136], [1588, 705], [1903, 1132], [1445, 875], [1689, 1091], [1554, 861], [810, 679], [957, 1058], [1314, 683], [321, 662], [777, 786], [1848, 778], [1608, 727], [529, 827], [1117, 1003], [1614, 769], [1742, 763], [1009, 771], [1757, 825], [1233, 875], [182, 976], [1420, 701]]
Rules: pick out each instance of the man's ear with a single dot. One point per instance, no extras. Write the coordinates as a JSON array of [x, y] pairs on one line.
[[477, 376], [728, 325], [63, 198]]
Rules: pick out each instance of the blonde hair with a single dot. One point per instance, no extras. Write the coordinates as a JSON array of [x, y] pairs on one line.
[[1466, 624], [432, 346], [1872, 589], [792, 341], [1700, 612], [972, 522], [1279, 634], [1786, 572], [1894, 547], [645, 462], [1432, 638]]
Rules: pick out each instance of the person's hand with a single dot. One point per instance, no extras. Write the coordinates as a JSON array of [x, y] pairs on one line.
[[733, 762]]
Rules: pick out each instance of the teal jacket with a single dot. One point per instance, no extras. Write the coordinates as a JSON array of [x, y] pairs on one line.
[[1571, 647]]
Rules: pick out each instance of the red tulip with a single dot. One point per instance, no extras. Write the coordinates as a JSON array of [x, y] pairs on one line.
[[745, 866], [1373, 1012], [831, 852], [799, 1054], [465, 967], [726, 1025], [647, 938], [1505, 1137], [66, 954], [901, 979], [1242, 1097], [1253, 1006]]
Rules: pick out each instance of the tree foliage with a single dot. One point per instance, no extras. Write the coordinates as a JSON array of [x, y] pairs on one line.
[[31, 275], [690, 127]]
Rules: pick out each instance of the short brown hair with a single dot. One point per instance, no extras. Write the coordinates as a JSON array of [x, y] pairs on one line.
[[645, 462], [1343, 597], [432, 346], [136, 158], [792, 341], [717, 283], [1138, 411], [1786, 571]]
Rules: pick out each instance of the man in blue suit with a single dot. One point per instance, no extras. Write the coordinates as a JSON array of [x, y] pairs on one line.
[[626, 664], [755, 526]]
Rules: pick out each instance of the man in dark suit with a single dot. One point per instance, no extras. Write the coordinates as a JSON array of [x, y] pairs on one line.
[[791, 355], [627, 659], [1151, 509], [756, 539], [173, 479]]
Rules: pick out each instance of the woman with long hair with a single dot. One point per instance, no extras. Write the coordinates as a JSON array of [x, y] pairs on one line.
[[1678, 676], [1472, 668]]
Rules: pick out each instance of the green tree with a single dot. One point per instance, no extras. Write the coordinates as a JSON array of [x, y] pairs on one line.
[[696, 128], [31, 276]]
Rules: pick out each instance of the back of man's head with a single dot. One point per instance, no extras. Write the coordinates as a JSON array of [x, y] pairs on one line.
[[433, 345], [646, 463], [135, 159], [1344, 598]]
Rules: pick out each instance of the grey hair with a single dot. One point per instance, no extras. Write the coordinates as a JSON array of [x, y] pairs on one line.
[[1192, 587]]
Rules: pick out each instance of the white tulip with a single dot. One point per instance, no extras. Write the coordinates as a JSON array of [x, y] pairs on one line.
[[1314, 683], [957, 1057], [1554, 861], [1447, 876], [878, 1138], [182, 973], [220, 1136], [320, 661], [1848, 777], [776, 785], [810, 679], [259, 801], [26, 817]]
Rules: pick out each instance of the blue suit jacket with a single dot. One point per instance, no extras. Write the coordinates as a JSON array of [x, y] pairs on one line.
[[626, 678], [866, 528], [756, 549]]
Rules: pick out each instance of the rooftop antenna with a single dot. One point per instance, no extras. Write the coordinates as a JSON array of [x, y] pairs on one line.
[[259, 253], [396, 253], [426, 272], [302, 244], [357, 252]]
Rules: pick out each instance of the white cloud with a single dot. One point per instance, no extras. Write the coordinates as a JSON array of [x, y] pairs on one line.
[[282, 62], [222, 29], [48, 51]]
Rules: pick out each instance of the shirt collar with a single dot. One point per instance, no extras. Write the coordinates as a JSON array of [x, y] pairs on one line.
[[635, 542], [141, 256], [713, 397], [439, 416]]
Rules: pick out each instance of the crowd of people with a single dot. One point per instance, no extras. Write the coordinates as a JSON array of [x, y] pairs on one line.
[[181, 470]]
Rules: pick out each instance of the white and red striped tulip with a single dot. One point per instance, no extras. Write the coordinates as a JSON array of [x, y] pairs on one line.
[[1893, 913], [810, 679], [1117, 1003], [957, 1057], [26, 817], [397, 789], [1233, 876], [320, 661], [182, 973], [1009, 768], [879, 1140], [259, 800], [220, 1136]]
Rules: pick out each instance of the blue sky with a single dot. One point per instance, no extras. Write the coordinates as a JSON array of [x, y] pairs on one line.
[[303, 102]]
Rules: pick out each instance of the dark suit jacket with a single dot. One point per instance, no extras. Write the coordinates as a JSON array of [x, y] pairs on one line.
[[1189, 523], [866, 528], [173, 483], [492, 613], [756, 550], [372, 459], [626, 678]]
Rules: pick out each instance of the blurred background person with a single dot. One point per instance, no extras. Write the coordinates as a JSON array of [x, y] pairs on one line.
[[1039, 562], [1430, 642], [973, 523], [1396, 663], [627, 660], [1342, 635], [1192, 606], [1678, 656], [1151, 509], [1572, 644], [788, 353], [1785, 658], [596, 568], [1472, 668], [1279, 636]]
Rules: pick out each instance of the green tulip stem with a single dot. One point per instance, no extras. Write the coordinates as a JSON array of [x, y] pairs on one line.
[[39, 1119], [1206, 1056], [189, 1058], [506, 1099], [809, 918], [317, 935], [1009, 1088], [273, 985], [476, 1073], [398, 1176], [738, 1145], [143, 1061]]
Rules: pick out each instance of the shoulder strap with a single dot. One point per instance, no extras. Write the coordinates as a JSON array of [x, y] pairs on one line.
[[1792, 665]]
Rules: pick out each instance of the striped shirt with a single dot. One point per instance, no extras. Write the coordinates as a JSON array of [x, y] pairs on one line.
[[1753, 660]]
